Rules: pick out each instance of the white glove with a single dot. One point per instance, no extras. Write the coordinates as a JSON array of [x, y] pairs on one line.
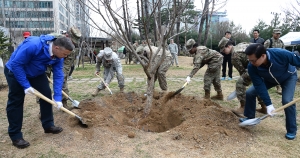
[[59, 104], [29, 90], [188, 79], [270, 109], [96, 72]]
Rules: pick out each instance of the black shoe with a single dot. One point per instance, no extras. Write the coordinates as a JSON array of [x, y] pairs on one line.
[[53, 130], [20, 143]]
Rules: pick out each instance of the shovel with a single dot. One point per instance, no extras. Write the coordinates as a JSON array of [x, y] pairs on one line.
[[255, 121], [38, 94], [171, 95], [104, 83], [75, 103], [231, 96]]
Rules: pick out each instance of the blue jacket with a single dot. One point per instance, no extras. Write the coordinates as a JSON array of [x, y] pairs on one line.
[[31, 59], [282, 66]]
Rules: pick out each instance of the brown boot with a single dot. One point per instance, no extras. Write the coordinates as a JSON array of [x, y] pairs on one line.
[[240, 111], [219, 96], [279, 90], [122, 89], [207, 94], [263, 109], [96, 92]]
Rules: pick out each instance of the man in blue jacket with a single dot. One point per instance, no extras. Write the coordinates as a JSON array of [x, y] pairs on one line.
[[268, 68], [24, 71]]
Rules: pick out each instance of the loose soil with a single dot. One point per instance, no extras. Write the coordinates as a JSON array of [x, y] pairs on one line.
[[202, 122]]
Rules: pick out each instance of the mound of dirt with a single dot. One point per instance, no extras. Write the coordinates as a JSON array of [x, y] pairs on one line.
[[187, 117]]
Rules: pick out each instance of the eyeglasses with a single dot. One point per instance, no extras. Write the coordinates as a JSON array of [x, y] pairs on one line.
[[253, 61]]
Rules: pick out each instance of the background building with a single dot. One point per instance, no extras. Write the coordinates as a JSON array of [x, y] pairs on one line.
[[41, 17]]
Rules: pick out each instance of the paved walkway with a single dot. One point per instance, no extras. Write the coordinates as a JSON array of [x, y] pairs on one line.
[[137, 79]]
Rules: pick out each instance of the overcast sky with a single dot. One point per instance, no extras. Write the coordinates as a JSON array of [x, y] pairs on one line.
[[247, 12]]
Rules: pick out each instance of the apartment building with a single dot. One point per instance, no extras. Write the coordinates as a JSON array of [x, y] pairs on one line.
[[41, 16]]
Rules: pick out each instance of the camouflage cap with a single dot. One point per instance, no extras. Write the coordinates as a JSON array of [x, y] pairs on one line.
[[189, 44], [56, 35], [75, 34], [222, 43], [107, 53], [277, 31]]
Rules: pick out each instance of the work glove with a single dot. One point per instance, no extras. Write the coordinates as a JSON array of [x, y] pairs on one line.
[[58, 104], [270, 109], [96, 72], [29, 90], [188, 79]]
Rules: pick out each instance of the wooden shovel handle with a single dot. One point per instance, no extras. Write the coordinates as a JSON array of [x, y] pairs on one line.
[[185, 84], [104, 83], [287, 105], [65, 94], [38, 94]]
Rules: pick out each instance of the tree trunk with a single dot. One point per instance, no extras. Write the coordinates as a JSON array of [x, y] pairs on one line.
[[208, 22], [203, 19], [128, 20], [178, 7], [150, 89], [147, 29], [125, 18], [139, 19]]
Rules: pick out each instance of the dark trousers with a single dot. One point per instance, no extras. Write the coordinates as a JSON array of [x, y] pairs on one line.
[[15, 103], [72, 69], [227, 59]]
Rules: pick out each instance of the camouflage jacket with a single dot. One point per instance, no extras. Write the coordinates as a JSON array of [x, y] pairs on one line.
[[206, 56], [239, 58], [275, 43]]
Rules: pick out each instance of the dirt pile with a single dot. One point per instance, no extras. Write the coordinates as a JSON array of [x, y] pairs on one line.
[[185, 117]]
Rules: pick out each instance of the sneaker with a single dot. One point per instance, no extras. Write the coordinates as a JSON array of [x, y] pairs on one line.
[[222, 78], [290, 136], [229, 78], [70, 78], [243, 119]]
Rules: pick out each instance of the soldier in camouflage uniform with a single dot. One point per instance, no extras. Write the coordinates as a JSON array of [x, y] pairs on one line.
[[163, 68], [240, 62], [74, 34], [111, 63], [214, 60], [275, 42]]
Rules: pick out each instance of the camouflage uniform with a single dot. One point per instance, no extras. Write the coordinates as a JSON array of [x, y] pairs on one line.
[[214, 60], [111, 63], [163, 68], [275, 44], [240, 62]]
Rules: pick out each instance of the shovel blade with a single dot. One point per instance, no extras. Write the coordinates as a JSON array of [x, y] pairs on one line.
[[232, 95], [75, 103], [250, 122]]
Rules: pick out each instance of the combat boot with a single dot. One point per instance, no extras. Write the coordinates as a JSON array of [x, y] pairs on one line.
[[240, 111], [122, 89], [96, 92], [263, 108], [207, 94], [219, 96]]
